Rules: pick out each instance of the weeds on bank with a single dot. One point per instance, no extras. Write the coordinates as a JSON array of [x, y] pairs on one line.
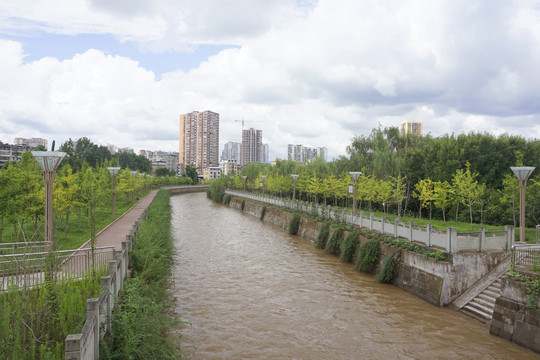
[[34, 323], [368, 254], [322, 238], [294, 224], [142, 318], [333, 245]]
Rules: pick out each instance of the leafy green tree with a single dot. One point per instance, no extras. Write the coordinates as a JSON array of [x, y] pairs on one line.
[[442, 196], [467, 189], [424, 191]]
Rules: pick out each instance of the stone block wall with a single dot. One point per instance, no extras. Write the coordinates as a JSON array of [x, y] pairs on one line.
[[513, 320], [438, 282]]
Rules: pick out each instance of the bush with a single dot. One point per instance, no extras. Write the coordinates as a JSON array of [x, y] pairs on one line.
[[242, 205], [227, 199], [216, 191], [294, 224], [368, 255], [349, 246], [322, 238], [332, 246], [263, 211], [389, 268]]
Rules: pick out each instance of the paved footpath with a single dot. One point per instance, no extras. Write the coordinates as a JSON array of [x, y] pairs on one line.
[[115, 233]]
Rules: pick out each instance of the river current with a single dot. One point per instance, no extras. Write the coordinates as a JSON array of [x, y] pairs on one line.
[[248, 290]]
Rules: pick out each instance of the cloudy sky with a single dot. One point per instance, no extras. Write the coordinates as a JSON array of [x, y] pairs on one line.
[[309, 72]]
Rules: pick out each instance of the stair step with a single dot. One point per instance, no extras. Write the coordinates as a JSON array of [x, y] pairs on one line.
[[491, 293], [478, 313], [487, 303], [481, 308], [487, 297]]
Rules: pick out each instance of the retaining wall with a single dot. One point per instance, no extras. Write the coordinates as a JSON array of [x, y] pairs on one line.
[[438, 282], [512, 319]]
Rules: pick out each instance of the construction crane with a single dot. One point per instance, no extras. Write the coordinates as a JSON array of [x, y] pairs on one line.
[[243, 121]]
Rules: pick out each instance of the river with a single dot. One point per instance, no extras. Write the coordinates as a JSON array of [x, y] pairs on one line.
[[249, 290]]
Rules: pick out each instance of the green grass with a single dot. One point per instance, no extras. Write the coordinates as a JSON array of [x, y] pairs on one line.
[[530, 233], [78, 229], [35, 323], [143, 318]]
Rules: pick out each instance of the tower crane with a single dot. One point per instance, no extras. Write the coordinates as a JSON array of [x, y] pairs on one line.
[[243, 121]]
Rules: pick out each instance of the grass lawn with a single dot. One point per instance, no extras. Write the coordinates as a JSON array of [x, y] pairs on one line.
[[78, 229]]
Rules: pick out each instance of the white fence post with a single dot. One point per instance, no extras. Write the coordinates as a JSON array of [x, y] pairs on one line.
[[428, 231], [92, 310]]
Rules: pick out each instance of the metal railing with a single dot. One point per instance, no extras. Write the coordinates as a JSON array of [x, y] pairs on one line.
[[29, 269], [23, 247], [526, 255], [449, 240]]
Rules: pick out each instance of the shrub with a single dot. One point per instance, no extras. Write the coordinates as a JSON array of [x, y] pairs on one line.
[[294, 224], [227, 199], [332, 246], [242, 205], [322, 238], [389, 268], [263, 211], [349, 246], [368, 255]]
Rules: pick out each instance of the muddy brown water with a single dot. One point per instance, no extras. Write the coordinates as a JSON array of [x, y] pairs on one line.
[[250, 291]]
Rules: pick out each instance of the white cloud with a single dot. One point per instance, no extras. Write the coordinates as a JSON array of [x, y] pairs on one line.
[[315, 75]]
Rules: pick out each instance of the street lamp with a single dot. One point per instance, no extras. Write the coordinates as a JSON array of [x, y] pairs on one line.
[[522, 173], [354, 176], [114, 172], [133, 174], [294, 177], [244, 177], [262, 184], [48, 161]]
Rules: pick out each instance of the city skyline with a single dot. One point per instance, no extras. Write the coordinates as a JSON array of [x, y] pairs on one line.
[[121, 72]]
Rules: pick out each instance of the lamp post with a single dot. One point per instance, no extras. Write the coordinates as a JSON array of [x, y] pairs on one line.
[[48, 161], [294, 177], [354, 176], [114, 172], [522, 173], [133, 174], [262, 184], [244, 177]]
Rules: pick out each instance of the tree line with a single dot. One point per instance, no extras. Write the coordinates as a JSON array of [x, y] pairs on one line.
[[82, 184], [466, 177]]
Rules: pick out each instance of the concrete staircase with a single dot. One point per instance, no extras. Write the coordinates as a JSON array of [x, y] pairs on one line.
[[482, 305]]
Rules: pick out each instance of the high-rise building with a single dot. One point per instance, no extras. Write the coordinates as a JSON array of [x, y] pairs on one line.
[[303, 153], [199, 140], [411, 127], [232, 151], [266, 153], [252, 146]]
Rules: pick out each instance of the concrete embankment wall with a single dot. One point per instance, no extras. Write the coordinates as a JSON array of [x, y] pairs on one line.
[[512, 319], [438, 282]]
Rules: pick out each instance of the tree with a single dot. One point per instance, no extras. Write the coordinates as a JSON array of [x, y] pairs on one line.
[[192, 174], [442, 196], [467, 189], [424, 191]]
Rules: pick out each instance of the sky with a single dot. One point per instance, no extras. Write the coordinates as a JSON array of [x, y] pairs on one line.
[[311, 72]]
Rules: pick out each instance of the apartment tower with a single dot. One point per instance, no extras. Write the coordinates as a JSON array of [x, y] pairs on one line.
[[411, 127], [199, 140], [252, 146]]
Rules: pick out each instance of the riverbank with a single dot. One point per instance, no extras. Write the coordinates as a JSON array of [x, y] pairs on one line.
[[436, 281]]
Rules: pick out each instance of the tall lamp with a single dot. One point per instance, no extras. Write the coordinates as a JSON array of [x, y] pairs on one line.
[[294, 177], [48, 161], [114, 172], [522, 173], [354, 176]]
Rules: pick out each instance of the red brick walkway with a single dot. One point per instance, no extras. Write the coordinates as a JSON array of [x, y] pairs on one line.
[[115, 233]]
